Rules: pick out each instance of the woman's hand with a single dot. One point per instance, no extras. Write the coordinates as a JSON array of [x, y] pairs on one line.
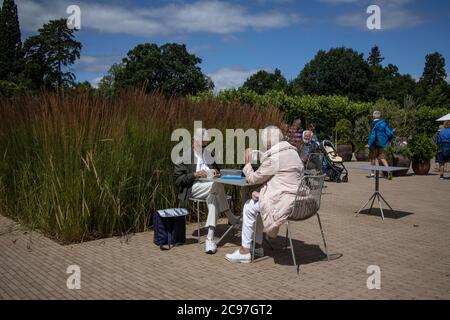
[[201, 174], [248, 156]]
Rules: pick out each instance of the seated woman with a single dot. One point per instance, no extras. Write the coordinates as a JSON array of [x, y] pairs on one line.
[[279, 176]]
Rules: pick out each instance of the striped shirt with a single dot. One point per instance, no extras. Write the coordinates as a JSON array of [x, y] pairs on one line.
[[295, 136]]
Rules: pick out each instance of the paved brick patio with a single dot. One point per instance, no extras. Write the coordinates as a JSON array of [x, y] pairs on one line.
[[412, 251]]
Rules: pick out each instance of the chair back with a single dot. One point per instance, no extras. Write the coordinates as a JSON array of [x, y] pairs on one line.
[[308, 198], [314, 163]]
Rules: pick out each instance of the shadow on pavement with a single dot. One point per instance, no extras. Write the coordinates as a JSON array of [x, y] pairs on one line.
[[387, 213]]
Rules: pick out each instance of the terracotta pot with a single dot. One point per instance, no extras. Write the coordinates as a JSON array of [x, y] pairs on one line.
[[421, 168], [345, 151], [400, 161], [362, 155]]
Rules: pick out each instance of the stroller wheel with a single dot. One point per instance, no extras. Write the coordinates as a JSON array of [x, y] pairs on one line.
[[345, 179]]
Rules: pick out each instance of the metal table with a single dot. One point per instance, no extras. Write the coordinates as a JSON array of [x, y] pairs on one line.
[[242, 183], [377, 195]]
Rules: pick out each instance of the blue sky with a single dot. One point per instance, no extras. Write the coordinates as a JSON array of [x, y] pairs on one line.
[[238, 38]]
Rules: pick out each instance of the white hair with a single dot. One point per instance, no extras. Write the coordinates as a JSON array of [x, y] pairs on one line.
[[305, 133], [377, 114], [270, 136]]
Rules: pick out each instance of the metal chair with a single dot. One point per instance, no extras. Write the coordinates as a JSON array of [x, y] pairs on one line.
[[196, 209], [307, 205], [313, 165]]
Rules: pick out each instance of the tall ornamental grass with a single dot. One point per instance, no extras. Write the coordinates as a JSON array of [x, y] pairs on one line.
[[81, 166]]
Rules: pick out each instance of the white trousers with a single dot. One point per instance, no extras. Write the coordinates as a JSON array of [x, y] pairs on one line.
[[216, 199], [250, 214]]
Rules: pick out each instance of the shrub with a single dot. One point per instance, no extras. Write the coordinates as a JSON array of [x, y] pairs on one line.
[[361, 133], [402, 150], [344, 131], [425, 119], [9, 89], [422, 148]]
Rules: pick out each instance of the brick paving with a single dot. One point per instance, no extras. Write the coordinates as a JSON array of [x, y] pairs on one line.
[[412, 252]]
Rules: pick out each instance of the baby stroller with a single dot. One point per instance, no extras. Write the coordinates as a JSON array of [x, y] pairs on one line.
[[333, 164]]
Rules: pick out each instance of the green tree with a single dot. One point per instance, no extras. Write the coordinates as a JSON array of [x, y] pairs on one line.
[[432, 87], [10, 38], [84, 87], [107, 85], [340, 71], [387, 82], [263, 81], [169, 68], [375, 57], [434, 71], [49, 55]]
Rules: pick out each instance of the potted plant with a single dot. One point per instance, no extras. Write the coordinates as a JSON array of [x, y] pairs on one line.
[[399, 155], [423, 150], [344, 134], [360, 136]]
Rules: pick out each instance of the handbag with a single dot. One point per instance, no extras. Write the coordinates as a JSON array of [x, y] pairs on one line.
[[169, 227]]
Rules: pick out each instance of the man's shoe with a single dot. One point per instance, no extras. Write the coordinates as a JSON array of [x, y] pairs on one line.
[[372, 175], [390, 176], [210, 247], [441, 177], [237, 257], [237, 223], [259, 252]]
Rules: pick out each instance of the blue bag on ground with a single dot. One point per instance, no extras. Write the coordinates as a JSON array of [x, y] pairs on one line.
[[169, 227]]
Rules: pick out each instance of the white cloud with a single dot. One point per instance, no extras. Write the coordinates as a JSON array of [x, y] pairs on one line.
[[200, 16], [339, 1], [200, 48], [231, 77], [95, 82], [96, 64]]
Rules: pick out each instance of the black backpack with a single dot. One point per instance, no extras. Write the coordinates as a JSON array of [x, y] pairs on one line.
[[169, 227]]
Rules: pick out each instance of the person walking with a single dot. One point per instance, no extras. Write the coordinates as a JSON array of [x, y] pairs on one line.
[[443, 141], [380, 136]]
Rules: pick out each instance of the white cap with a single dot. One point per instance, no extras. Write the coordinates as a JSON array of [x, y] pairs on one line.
[[377, 114]]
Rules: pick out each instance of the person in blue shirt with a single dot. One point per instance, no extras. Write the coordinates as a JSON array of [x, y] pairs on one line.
[[443, 141], [380, 137]]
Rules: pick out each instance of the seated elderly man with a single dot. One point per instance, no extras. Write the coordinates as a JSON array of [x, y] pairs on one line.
[[187, 177], [279, 176]]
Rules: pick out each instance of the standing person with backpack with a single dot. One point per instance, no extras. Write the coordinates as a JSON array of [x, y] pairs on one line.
[[380, 136], [443, 141]]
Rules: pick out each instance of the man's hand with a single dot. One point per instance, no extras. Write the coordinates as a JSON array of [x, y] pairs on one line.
[[248, 155], [201, 174]]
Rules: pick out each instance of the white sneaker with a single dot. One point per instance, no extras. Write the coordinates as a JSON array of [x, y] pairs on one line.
[[239, 257], [259, 252], [210, 246]]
